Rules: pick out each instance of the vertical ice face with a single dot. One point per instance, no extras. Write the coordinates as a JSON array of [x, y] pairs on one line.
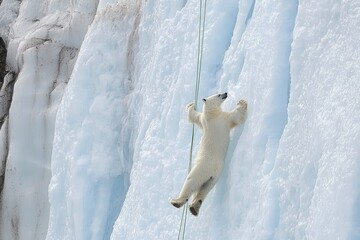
[[296, 153], [93, 145], [42, 40], [243, 55], [318, 160], [119, 146]]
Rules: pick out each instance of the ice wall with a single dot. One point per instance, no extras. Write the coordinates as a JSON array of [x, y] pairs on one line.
[[120, 143], [42, 39], [243, 55], [94, 130], [292, 171], [318, 160]]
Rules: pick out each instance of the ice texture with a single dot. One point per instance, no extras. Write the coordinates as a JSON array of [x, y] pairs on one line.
[[95, 142]]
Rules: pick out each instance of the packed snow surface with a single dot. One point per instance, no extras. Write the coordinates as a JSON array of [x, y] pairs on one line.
[[96, 140]]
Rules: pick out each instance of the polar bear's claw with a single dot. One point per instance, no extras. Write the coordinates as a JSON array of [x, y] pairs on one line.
[[190, 105]]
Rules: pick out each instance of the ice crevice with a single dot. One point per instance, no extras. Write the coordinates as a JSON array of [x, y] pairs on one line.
[[219, 29], [3, 52], [250, 13]]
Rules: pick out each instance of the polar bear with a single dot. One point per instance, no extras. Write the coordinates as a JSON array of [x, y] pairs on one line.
[[209, 161]]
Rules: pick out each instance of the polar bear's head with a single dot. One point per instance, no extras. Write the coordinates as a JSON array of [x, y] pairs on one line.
[[214, 101]]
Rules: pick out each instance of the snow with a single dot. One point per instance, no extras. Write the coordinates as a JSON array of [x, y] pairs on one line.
[[96, 140]]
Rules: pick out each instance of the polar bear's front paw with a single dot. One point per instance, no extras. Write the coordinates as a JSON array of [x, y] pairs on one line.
[[243, 104], [190, 105]]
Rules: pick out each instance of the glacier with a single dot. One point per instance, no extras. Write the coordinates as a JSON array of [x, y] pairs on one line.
[[94, 140]]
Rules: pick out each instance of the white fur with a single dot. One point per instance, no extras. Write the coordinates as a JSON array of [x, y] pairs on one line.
[[216, 126]]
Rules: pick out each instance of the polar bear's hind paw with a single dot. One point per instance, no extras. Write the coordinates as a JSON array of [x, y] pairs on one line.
[[193, 211], [178, 203], [195, 207]]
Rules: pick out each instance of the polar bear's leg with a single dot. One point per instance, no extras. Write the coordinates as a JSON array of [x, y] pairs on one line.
[[195, 179], [204, 190], [201, 195]]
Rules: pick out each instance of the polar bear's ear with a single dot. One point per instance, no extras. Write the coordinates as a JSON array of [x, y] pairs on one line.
[[204, 100]]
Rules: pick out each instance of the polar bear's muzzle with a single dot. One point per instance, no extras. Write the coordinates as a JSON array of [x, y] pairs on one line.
[[223, 96]]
